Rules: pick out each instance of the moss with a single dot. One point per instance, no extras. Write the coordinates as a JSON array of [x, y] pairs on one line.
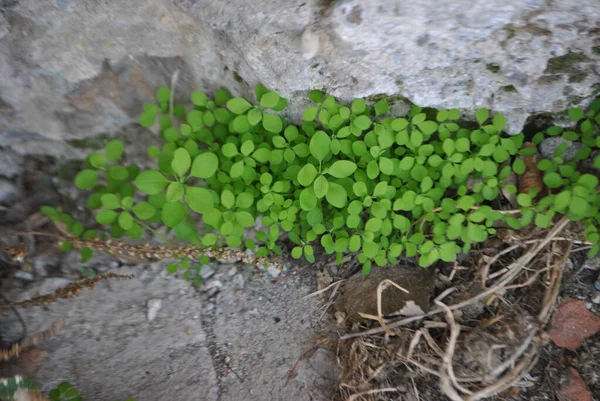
[[578, 76], [315, 65], [238, 78], [391, 99], [477, 61], [549, 79], [508, 88], [495, 68], [596, 50], [325, 6], [574, 100], [93, 143], [564, 64]]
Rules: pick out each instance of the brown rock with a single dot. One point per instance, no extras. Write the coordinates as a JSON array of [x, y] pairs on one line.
[[572, 324], [574, 389]]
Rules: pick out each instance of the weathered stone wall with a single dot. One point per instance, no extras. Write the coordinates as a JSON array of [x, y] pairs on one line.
[[73, 69]]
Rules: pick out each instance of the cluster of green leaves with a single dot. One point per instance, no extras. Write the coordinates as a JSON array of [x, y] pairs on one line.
[[351, 178], [66, 392]]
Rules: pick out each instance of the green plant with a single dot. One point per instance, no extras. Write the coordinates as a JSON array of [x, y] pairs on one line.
[[350, 178], [66, 392]]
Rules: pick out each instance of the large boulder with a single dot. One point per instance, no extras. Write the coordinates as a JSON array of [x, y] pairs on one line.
[[74, 69]]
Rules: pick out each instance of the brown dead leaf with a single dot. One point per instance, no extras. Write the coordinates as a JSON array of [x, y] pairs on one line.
[[574, 389], [532, 177], [572, 324]]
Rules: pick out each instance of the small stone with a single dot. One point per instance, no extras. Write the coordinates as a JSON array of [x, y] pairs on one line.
[[273, 271], [232, 271], [8, 193], [207, 272], [238, 281], [574, 389], [153, 306], [52, 284], [549, 145], [572, 324], [26, 276]]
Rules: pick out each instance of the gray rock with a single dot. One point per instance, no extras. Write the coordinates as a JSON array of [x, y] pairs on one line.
[[8, 193], [549, 145], [153, 306], [72, 72]]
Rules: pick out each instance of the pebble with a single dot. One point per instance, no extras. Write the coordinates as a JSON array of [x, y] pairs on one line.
[[232, 271], [8, 193], [273, 271], [207, 272], [238, 281], [154, 306], [26, 276]]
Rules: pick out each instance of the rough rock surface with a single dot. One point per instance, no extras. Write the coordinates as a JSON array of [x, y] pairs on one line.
[[73, 69], [237, 344]]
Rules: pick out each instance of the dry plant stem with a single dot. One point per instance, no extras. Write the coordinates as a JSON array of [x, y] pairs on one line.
[[68, 291], [312, 294], [446, 368], [356, 396], [380, 288], [517, 267], [16, 349]]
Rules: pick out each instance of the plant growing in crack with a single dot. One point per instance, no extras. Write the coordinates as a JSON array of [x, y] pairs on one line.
[[349, 178]]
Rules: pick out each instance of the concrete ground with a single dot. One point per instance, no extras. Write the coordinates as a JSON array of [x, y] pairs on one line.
[[157, 338]]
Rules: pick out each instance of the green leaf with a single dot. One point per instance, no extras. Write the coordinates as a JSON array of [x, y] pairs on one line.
[[307, 174], [269, 99], [272, 123], [381, 107], [181, 161], [254, 116], [562, 200], [144, 210], [238, 105], [448, 251], [106, 217], [163, 94], [519, 166], [244, 219], [336, 195], [362, 122], [428, 127], [553, 180], [499, 122], [227, 199], [205, 165], [244, 200], [86, 179], [308, 199], [524, 200], [172, 213], [407, 163], [175, 191], [482, 115], [118, 173], [209, 239], [200, 200], [310, 114], [229, 150], [110, 201], [576, 114], [342, 169], [125, 220], [114, 150], [199, 98], [321, 186], [320, 145], [589, 181], [358, 106], [151, 182]]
